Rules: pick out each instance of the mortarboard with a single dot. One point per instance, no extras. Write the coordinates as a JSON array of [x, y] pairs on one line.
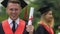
[[44, 9], [22, 3]]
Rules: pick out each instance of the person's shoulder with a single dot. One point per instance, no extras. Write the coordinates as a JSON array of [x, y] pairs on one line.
[[40, 26], [40, 29], [22, 20], [5, 20]]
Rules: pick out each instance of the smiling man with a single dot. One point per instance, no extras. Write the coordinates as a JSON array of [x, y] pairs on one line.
[[13, 25]]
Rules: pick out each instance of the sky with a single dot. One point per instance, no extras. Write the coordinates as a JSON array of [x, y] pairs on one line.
[[0, 2]]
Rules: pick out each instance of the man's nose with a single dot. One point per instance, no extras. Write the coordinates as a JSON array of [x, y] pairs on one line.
[[13, 11]]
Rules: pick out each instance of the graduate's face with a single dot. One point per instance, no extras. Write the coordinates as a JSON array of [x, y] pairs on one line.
[[13, 10], [49, 16]]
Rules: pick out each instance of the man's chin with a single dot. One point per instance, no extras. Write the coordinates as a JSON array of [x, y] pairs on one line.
[[13, 18]]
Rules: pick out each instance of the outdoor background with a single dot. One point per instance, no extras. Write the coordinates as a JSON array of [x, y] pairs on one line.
[[55, 4]]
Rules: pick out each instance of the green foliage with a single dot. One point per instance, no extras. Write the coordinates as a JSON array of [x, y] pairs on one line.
[[55, 4]]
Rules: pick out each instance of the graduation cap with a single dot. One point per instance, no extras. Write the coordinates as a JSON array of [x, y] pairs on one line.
[[44, 9], [21, 2]]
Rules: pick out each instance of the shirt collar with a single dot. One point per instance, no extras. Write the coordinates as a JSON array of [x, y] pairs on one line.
[[16, 21]]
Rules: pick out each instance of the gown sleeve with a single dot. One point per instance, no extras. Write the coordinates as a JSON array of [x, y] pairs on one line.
[[1, 29]]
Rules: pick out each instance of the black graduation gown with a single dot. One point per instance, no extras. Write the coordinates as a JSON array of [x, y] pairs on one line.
[[41, 30], [2, 31]]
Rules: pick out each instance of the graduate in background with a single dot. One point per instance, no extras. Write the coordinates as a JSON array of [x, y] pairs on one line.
[[13, 25], [47, 21]]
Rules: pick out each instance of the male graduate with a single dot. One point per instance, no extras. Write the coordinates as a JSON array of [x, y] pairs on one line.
[[13, 25]]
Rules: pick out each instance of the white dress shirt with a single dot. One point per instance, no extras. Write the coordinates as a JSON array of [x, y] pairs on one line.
[[11, 24]]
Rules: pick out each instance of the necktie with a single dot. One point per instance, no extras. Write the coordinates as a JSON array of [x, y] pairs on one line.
[[13, 27]]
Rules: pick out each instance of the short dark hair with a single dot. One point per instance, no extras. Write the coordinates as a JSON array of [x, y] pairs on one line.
[[14, 1], [10, 1]]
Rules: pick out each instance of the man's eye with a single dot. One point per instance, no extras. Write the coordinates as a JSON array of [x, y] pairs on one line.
[[11, 9], [16, 9]]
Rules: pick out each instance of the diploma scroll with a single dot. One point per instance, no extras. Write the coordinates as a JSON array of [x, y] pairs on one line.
[[31, 16]]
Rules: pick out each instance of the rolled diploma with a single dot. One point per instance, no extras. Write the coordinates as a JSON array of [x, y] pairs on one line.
[[31, 16]]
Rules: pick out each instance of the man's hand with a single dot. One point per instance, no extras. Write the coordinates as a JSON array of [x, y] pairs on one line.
[[30, 29]]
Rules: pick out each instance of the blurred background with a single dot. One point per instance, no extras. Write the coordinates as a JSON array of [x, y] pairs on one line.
[[55, 4]]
